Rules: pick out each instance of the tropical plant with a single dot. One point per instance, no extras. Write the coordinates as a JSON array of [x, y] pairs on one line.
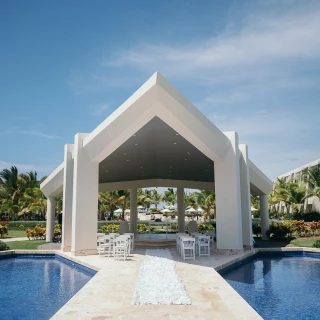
[[156, 198], [311, 177], [4, 246], [124, 200]]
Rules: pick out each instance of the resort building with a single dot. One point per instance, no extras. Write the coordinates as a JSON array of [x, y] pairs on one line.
[[156, 138], [311, 204]]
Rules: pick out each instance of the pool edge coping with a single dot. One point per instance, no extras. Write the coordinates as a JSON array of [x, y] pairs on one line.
[[54, 252], [224, 297]]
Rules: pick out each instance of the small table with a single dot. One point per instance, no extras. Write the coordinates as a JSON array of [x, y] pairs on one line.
[[162, 223]]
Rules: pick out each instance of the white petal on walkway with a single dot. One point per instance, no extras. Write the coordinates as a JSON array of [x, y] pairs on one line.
[[158, 281]]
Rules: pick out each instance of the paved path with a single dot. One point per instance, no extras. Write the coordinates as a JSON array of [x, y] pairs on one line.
[[50, 246], [14, 239]]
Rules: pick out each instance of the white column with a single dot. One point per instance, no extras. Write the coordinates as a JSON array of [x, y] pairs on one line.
[[133, 210], [245, 197], [67, 198], [85, 201], [180, 203], [228, 198], [51, 210], [264, 215]]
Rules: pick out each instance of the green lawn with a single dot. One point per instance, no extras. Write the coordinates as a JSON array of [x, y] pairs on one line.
[[27, 245], [288, 242], [15, 234], [304, 242]]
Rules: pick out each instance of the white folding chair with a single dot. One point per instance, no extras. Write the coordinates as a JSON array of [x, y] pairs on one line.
[[120, 249], [105, 246], [203, 246], [131, 240], [188, 248]]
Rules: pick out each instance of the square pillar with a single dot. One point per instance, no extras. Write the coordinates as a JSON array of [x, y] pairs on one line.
[[85, 201], [133, 210], [180, 208], [228, 198], [264, 215], [51, 210], [67, 198], [245, 197]]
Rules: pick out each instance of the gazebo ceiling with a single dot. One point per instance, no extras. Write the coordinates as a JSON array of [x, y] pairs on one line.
[[156, 151]]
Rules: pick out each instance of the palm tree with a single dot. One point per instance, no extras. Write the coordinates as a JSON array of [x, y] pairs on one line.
[[10, 186], [156, 198], [291, 193], [145, 198], [170, 197], [312, 177], [124, 200], [206, 200], [112, 200]]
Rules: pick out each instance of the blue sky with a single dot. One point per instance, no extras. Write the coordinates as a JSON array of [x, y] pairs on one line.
[[249, 66]]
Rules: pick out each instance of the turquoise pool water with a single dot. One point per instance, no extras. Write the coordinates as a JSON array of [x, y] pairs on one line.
[[37, 286], [279, 286]]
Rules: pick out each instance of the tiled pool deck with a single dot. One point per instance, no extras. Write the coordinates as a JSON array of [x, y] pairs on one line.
[[108, 295]]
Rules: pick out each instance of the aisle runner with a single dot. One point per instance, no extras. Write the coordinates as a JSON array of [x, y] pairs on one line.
[[158, 281]]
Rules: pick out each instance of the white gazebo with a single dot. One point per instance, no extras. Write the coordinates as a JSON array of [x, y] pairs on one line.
[[164, 141]]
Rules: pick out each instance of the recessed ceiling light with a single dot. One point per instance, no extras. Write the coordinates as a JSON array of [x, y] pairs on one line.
[[174, 143], [206, 170], [188, 152], [185, 159], [136, 144], [107, 171], [124, 154], [177, 134], [141, 167], [128, 160]]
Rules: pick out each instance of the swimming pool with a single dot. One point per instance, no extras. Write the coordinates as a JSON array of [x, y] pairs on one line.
[[279, 285], [37, 286]]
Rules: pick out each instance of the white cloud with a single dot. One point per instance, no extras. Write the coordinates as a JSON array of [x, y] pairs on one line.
[[34, 133], [100, 110], [248, 51]]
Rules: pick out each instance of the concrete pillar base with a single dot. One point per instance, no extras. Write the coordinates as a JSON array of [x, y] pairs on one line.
[[66, 249], [247, 247], [230, 251]]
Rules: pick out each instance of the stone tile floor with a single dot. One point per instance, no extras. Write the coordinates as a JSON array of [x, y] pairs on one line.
[[109, 294]]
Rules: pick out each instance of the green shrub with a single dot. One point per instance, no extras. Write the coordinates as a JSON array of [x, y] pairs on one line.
[[316, 244], [281, 230], [142, 228], [110, 228], [174, 226], [256, 229], [21, 227], [15, 225], [4, 246], [307, 216], [3, 230]]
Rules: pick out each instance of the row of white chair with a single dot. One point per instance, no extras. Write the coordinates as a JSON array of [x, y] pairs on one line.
[[116, 245], [189, 245]]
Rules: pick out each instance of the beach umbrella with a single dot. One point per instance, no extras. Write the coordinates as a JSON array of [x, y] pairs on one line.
[[254, 209], [200, 210], [191, 210], [127, 211], [118, 211], [165, 211], [140, 207]]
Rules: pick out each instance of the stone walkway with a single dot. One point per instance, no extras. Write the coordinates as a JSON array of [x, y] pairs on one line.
[[50, 246], [109, 294]]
